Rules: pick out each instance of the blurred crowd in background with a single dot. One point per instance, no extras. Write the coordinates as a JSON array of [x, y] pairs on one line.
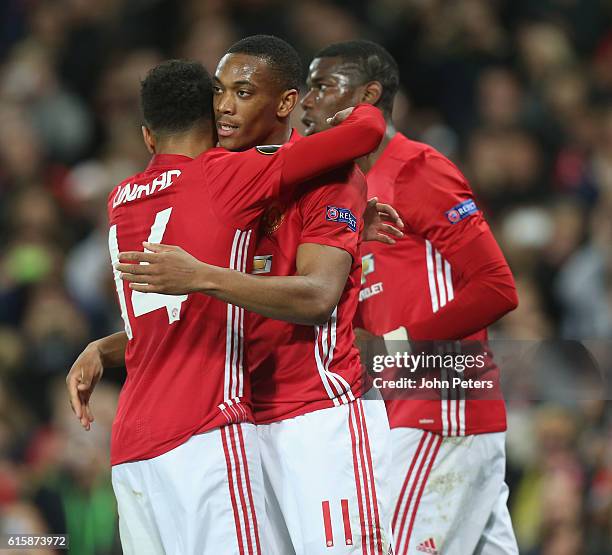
[[517, 92]]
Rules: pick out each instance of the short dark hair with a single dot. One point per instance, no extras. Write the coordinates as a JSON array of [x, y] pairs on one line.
[[372, 62], [175, 96], [282, 59]]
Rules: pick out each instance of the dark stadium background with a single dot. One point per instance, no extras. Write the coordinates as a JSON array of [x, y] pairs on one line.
[[517, 92]]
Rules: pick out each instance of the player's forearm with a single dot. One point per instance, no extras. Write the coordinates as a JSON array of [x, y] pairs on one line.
[[489, 293], [359, 135], [111, 349], [477, 306], [296, 299]]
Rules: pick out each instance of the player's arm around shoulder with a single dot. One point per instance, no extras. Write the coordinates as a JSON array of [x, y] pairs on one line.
[[240, 183], [354, 134]]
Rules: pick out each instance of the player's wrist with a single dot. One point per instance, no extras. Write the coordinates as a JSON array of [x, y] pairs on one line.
[[95, 347], [94, 352], [110, 350], [208, 279]]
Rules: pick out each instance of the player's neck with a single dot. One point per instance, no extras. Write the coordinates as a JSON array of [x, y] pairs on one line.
[[367, 162], [278, 136], [185, 144]]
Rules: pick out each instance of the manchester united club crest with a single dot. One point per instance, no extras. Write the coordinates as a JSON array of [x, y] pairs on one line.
[[272, 218]]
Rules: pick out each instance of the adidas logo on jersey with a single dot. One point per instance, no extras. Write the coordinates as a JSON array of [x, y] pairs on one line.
[[428, 546]]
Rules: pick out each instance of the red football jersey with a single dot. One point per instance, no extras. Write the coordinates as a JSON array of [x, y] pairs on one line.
[[184, 357], [297, 369], [406, 282]]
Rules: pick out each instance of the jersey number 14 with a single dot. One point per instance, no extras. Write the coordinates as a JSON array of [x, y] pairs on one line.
[[143, 303]]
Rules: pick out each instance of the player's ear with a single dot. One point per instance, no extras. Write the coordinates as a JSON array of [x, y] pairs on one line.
[[372, 92], [288, 102], [149, 139]]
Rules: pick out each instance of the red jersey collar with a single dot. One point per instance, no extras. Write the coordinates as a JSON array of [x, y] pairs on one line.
[[167, 160]]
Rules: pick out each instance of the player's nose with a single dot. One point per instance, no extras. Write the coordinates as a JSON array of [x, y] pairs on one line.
[[307, 100], [224, 104]]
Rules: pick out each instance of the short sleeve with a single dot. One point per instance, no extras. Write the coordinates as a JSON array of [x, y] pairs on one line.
[[437, 203], [332, 210]]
